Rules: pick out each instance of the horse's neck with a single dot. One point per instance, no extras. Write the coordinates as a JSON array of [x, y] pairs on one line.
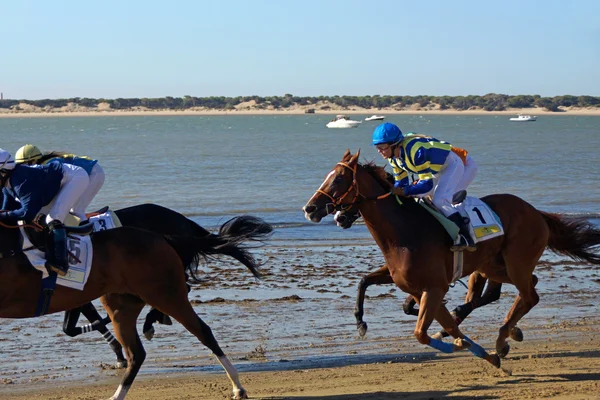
[[388, 223]]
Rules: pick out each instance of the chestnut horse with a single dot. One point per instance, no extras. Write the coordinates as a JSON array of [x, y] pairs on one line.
[[153, 217], [130, 268], [476, 296], [416, 247]]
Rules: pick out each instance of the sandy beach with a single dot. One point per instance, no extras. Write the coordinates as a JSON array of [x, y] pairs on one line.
[[564, 365], [26, 111]]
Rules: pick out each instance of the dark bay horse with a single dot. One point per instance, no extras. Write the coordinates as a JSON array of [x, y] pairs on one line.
[[416, 247], [476, 296], [227, 241], [131, 268]]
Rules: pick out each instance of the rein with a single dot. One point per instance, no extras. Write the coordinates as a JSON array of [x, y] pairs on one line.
[[337, 203], [33, 225]]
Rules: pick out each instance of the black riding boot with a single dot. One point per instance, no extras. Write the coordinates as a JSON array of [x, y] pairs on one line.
[[56, 249], [463, 229]]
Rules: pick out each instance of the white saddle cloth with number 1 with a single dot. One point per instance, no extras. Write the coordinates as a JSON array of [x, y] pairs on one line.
[[484, 222], [80, 253]]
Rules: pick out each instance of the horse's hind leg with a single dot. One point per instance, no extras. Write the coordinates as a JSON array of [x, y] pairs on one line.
[[99, 324], [379, 277], [124, 310], [525, 301], [178, 307]]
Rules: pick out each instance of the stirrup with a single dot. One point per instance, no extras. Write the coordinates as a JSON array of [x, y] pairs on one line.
[[60, 271], [460, 246]]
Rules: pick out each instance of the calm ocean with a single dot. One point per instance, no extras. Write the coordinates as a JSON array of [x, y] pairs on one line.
[[214, 167]]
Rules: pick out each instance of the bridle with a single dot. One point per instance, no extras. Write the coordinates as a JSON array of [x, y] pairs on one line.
[[336, 204]]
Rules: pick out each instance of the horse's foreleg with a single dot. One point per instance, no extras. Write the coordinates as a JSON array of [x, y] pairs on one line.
[[379, 277], [444, 318], [124, 310], [429, 302]]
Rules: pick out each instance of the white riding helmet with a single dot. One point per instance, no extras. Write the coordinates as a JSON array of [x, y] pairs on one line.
[[7, 162]]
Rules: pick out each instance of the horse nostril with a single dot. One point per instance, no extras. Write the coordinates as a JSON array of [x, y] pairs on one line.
[[310, 209]]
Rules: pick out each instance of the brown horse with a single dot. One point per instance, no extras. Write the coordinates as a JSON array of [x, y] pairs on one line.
[[416, 247], [476, 296], [136, 267]]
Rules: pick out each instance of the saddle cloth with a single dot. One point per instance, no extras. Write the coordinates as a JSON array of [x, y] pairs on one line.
[[484, 224], [80, 249]]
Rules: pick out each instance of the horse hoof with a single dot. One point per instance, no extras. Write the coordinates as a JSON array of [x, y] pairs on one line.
[[149, 334], [516, 334], [362, 329], [459, 344], [121, 364], [439, 336], [240, 394], [504, 350], [493, 359]]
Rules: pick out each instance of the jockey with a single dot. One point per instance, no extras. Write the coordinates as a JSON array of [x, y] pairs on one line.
[[31, 155], [56, 186], [442, 169]]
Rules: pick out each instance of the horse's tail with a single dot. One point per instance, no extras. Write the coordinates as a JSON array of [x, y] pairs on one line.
[[230, 241], [573, 237]]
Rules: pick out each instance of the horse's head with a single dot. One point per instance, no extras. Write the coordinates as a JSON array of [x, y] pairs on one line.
[[341, 189], [345, 218], [337, 190]]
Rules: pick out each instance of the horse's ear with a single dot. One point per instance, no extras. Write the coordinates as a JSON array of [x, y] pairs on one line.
[[346, 155], [354, 158]]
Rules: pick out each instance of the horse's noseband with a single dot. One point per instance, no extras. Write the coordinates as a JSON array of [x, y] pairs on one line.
[[336, 204]]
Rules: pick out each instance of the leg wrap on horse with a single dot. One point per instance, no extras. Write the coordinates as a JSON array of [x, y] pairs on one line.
[[475, 348], [441, 346], [56, 249]]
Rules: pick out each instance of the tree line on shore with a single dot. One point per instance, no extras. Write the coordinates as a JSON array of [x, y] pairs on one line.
[[488, 102]]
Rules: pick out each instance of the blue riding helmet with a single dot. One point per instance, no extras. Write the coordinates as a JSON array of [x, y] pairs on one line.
[[387, 133]]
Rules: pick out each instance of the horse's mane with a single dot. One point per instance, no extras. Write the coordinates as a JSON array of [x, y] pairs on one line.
[[384, 178]]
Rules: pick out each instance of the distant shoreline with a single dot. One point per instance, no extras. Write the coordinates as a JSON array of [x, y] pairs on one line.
[[572, 111]]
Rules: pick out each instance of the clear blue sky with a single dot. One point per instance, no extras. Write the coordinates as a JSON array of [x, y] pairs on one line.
[[135, 48]]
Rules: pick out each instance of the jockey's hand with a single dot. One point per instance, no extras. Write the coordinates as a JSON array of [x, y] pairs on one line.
[[398, 191]]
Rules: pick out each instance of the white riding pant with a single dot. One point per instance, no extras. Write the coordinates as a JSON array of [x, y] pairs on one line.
[[96, 181], [448, 179], [468, 175], [74, 182]]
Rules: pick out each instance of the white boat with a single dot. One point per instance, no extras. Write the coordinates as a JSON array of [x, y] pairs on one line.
[[375, 118], [342, 121], [523, 118]]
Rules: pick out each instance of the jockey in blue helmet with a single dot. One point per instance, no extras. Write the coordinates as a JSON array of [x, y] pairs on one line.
[[442, 169]]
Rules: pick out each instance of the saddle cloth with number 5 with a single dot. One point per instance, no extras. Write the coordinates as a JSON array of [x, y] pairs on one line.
[[80, 253]]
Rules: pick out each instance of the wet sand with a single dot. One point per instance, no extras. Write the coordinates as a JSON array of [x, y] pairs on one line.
[[566, 365], [293, 336]]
